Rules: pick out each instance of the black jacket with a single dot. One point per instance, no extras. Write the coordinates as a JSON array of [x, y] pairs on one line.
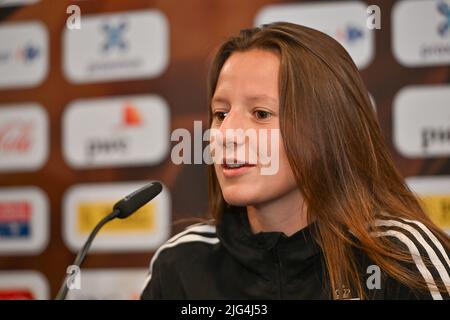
[[230, 262]]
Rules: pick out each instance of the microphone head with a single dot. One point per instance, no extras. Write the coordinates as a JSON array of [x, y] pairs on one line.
[[137, 199]]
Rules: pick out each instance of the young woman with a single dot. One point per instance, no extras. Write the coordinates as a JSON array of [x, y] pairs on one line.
[[336, 220]]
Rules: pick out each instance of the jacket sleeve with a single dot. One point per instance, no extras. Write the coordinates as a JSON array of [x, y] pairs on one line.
[[430, 264], [153, 287], [396, 290], [163, 281]]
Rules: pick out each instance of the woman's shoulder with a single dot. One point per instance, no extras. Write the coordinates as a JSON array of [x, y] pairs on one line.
[[430, 255], [413, 235], [193, 240], [178, 255]]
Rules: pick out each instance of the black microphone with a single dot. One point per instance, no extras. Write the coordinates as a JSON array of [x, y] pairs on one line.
[[122, 209]]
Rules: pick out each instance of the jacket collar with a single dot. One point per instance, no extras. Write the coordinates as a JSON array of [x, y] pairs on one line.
[[261, 252]]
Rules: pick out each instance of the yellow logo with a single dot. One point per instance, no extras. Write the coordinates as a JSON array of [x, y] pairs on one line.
[[90, 213], [438, 208]]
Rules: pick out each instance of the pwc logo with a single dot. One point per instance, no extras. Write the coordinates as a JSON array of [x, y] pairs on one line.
[[24, 221], [422, 121], [434, 194], [119, 46], [23, 285], [420, 32], [116, 132], [131, 118], [86, 204], [23, 54], [23, 137], [346, 22]]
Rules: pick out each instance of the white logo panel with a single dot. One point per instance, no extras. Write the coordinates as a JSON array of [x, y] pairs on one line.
[[23, 285], [24, 136], [85, 204], [110, 284], [23, 54], [7, 3], [24, 221], [422, 121], [421, 32], [108, 47], [344, 20], [119, 131]]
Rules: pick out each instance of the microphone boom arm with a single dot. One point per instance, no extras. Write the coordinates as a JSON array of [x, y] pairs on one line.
[[84, 250], [122, 209]]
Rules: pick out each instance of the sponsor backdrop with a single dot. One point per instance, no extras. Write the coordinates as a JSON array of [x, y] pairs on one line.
[[86, 117]]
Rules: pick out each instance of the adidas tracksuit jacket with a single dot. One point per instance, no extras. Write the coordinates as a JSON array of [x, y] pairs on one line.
[[228, 261]]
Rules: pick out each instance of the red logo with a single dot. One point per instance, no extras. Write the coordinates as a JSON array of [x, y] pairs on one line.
[[15, 218], [18, 294], [131, 115], [16, 137], [15, 211]]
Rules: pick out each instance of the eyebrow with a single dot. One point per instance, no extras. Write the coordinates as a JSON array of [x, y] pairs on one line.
[[255, 98], [261, 98], [219, 100]]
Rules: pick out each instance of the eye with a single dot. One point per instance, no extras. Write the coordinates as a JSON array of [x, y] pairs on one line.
[[220, 115], [262, 115]]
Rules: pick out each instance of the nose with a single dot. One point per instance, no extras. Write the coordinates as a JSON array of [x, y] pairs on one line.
[[233, 128]]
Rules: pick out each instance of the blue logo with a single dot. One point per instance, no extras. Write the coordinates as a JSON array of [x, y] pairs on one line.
[[114, 36], [444, 27], [14, 229], [349, 34], [354, 34], [30, 53]]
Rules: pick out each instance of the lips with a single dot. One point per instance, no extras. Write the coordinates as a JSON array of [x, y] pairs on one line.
[[236, 165], [232, 168], [235, 162]]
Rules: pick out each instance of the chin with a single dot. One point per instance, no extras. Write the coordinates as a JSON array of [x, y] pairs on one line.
[[239, 196]]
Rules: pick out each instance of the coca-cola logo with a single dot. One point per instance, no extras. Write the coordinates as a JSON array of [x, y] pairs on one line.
[[16, 137]]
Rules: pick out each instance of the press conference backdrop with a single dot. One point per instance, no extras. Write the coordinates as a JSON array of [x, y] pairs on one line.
[[86, 116]]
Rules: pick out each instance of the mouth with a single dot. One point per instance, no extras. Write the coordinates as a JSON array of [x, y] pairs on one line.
[[232, 168]]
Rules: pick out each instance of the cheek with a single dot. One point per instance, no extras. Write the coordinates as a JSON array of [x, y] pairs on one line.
[[257, 188], [286, 172], [284, 178]]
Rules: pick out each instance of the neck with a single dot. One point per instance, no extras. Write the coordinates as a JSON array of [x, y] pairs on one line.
[[286, 214]]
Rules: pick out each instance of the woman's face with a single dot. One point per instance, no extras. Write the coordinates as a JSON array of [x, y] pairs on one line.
[[246, 98]]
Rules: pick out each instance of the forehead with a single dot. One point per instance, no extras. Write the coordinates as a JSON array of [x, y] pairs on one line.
[[253, 72]]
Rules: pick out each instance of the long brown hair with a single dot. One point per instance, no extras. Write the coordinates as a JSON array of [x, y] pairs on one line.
[[336, 151]]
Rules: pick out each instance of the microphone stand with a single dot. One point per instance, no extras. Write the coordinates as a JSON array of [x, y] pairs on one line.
[[82, 253]]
